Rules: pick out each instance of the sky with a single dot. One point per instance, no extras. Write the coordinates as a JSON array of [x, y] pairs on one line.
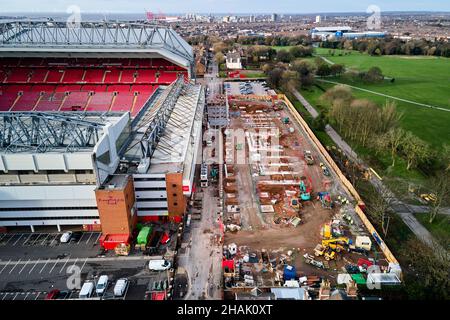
[[221, 6]]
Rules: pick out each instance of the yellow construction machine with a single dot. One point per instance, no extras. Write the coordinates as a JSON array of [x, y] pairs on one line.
[[337, 244], [321, 250]]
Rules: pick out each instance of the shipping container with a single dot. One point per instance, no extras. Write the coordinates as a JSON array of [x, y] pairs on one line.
[[111, 241], [143, 235]]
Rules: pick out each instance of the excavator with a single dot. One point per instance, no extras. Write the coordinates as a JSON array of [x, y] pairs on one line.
[[337, 244]]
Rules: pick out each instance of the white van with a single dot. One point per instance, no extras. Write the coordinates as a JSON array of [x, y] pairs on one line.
[[86, 290], [102, 284], [158, 265], [120, 287]]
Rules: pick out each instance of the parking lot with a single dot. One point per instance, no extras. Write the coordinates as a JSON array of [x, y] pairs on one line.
[[234, 88], [17, 246]]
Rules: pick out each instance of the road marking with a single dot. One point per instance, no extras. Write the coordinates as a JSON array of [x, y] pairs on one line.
[[34, 266], [24, 266], [74, 264], [87, 241], [56, 236], [15, 296], [43, 241], [15, 266], [26, 241], [64, 264], [4, 296], [37, 295], [83, 264], [26, 296], [5, 266], [12, 236], [3, 236], [79, 240], [44, 265], [39, 235], [18, 239], [54, 266], [99, 235]]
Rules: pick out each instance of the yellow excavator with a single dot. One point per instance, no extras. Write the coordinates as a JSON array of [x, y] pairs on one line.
[[337, 244], [320, 250]]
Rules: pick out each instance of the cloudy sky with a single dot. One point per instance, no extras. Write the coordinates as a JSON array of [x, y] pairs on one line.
[[221, 6]]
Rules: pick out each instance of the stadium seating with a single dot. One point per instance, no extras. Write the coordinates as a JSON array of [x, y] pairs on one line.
[[84, 84]]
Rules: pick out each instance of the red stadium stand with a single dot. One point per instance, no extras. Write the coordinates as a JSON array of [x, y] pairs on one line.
[[75, 101], [50, 101], [6, 100], [26, 102], [85, 84], [100, 101]]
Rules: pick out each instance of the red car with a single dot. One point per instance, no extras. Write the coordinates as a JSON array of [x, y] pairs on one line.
[[52, 295]]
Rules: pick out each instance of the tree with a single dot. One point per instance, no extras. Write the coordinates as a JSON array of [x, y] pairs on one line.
[[337, 69], [428, 273], [305, 70], [323, 69], [275, 76], [284, 56], [219, 58], [391, 141], [378, 205], [415, 150], [441, 190], [374, 75], [338, 92], [446, 157]]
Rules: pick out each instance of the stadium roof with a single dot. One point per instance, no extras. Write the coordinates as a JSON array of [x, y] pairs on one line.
[[126, 37]]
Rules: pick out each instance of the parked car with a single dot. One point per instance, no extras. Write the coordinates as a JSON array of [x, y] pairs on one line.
[[158, 265], [52, 295], [121, 287], [86, 290], [65, 237], [102, 284]]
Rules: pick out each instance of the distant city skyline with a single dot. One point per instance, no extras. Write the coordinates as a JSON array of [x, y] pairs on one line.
[[221, 6]]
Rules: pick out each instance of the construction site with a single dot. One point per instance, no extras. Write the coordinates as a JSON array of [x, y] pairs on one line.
[[291, 219]]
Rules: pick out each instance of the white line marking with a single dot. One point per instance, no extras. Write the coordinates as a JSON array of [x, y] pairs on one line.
[[24, 266], [62, 268], [43, 241], [99, 235], [34, 266], [26, 296], [40, 234], [74, 264], [56, 236], [26, 241], [18, 240], [83, 264], [5, 266], [89, 238], [37, 295], [57, 261], [15, 296], [12, 236], [44, 265], [15, 266], [4, 296], [3, 236]]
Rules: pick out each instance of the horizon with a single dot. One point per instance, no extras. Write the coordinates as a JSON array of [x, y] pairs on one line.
[[221, 7]]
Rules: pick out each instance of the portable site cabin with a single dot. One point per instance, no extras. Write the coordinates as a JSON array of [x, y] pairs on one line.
[[143, 235]]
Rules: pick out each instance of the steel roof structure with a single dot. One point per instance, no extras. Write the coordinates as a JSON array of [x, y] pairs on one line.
[[94, 37], [43, 132]]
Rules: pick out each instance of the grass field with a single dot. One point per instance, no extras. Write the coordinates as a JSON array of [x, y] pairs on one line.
[[420, 79], [440, 228]]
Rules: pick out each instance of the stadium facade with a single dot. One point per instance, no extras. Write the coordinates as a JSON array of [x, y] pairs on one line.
[[100, 125]]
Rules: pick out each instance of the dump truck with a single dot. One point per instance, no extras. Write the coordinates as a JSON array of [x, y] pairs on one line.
[[308, 157]]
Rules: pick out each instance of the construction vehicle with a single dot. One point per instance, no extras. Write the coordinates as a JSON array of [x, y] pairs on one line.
[[429, 197], [305, 192], [295, 203], [337, 244], [308, 157], [325, 170], [321, 250]]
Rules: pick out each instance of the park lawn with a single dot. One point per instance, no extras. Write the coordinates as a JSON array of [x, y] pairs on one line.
[[277, 48], [420, 79], [440, 228]]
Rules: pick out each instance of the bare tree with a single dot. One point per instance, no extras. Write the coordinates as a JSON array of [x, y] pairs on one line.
[[391, 141], [379, 208], [441, 190], [415, 149]]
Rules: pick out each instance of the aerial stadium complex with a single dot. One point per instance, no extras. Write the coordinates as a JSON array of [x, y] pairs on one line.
[[100, 125]]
